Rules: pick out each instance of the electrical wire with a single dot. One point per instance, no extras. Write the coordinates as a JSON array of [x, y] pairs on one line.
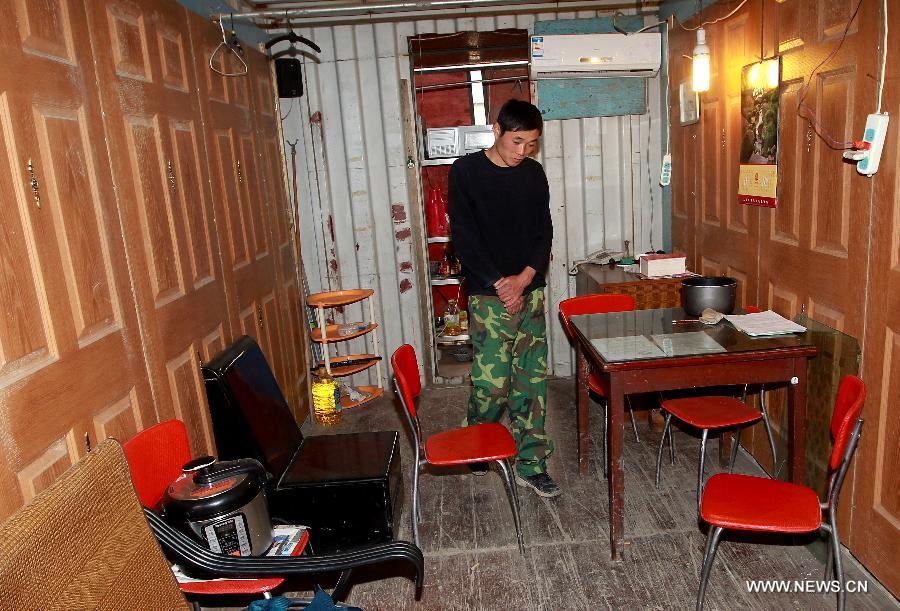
[[736, 9], [626, 32], [290, 108], [650, 185], [884, 49], [810, 114], [668, 120]]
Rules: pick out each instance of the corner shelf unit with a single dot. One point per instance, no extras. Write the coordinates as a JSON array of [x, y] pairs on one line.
[[328, 334]]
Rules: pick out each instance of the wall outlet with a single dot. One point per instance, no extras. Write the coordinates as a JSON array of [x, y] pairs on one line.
[[665, 174], [876, 129]]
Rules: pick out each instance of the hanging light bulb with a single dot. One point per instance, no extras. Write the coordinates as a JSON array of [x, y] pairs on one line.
[[700, 73], [772, 73]]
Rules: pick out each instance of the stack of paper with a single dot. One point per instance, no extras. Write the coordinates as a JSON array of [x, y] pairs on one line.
[[764, 323]]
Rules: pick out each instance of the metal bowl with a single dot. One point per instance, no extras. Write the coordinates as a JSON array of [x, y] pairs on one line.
[[701, 292]]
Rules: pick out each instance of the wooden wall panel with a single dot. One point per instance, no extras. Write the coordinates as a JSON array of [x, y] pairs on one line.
[[67, 351], [722, 236], [158, 155], [875, 523], [290, 350], [260, 251], [833, 244], [111, 242]]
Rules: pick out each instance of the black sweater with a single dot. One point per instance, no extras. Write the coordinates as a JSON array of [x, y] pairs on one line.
[[499, 221]]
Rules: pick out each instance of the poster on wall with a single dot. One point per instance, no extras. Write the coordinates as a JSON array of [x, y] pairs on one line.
[[760, 93]]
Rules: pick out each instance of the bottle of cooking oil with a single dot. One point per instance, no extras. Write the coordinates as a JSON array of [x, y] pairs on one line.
[[451, 318], [326, 399]]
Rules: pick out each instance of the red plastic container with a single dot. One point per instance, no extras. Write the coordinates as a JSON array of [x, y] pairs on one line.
[[436, 213]]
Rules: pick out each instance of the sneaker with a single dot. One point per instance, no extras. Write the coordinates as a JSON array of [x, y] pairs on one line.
[[478, 468], [541, 483]]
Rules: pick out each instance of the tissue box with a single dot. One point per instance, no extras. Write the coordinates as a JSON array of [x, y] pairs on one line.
[[654, 266]]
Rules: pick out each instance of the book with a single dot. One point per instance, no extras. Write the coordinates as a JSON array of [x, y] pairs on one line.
[[657, 265], [286, 539]]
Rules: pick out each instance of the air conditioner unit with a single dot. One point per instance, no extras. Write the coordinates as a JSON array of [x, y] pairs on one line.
[[595, 55]]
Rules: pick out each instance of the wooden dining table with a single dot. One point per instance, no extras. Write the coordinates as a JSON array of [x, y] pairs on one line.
[[646, 351]]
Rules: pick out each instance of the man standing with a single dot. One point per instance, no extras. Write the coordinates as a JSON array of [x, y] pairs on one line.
[[499, 209]]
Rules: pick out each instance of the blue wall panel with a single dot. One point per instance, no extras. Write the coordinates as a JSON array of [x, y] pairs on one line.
[[596, 97]]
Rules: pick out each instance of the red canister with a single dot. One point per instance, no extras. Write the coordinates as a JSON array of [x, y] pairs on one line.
[[436, 213]]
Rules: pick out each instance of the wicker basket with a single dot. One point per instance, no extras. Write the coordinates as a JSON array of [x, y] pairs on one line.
[[649, 294]]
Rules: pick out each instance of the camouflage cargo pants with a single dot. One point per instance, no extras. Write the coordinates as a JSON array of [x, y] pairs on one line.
[[510, 373]]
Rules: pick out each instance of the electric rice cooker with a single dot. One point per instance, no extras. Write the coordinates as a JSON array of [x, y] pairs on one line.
[[223, 504]]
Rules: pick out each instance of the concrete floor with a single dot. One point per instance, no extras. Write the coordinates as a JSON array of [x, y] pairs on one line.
[[472, 561]]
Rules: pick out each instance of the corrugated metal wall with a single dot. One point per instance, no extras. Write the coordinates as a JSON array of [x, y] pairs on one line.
[[353, 201]]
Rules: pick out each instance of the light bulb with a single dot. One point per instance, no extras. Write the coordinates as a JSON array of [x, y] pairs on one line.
[[753, 78], [772, 76], [700, 72]]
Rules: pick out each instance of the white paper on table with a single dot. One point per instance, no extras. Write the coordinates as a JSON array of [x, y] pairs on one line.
[[685, 344], [764, 323], [629, 348]]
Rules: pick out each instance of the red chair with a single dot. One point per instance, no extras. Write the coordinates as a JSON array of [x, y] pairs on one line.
[[756, 504], [479, 443], [155, 457], [712, 413], [598, 304]]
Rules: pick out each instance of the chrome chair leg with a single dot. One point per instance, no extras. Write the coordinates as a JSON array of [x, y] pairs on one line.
[[712, 542], [416, 512], [662, 442], [735, 442], [633, 423], [506, 470], [838, 564], [765, 417], [700, 468], [671, 447]]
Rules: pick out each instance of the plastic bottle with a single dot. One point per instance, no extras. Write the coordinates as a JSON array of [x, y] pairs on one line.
[[463, 322], [436, 213], [451, 318]]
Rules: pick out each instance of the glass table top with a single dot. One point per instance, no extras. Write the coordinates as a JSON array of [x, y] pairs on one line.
[[653, 334]]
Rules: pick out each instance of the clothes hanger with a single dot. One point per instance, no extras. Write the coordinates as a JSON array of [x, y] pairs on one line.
[[292, 37], [234, 46]]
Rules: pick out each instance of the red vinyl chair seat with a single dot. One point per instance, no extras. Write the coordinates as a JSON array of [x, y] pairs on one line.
[[712, 412], [595, 386], [471, 444], [231, 587], [745, 502]]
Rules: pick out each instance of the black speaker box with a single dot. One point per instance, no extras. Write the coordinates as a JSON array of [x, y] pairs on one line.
[[289, 77]]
